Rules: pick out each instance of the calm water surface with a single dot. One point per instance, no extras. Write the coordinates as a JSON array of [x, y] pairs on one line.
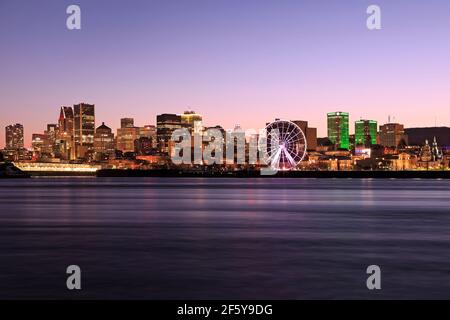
[[194, 238]]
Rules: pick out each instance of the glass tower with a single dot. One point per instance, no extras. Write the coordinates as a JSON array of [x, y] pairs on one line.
[[366, 132], [338, 131]]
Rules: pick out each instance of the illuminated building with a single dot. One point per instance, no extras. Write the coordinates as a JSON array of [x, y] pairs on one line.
[[310, 134], [103, 142], [166, 124], [149, 131], [50, 139], [37, 143], [65, 139], [126, 135], [84, 128], [366, 132], [127, 123], [14, 137], [192, 121], [338, 129], [391, 134]]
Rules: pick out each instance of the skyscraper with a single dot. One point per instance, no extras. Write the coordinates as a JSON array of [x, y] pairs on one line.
[[65, 136], [126, 135], [366, 132], [166, 124], [192, 121], [338, 130], [84, 128], [391, 134], [14, 136], [50, 139], [127, 123], [103, 142]]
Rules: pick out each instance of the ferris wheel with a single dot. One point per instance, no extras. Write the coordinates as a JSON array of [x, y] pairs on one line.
[[286, 145]]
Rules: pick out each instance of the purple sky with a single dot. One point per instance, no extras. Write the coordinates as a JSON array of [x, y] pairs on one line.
[[234, 61]]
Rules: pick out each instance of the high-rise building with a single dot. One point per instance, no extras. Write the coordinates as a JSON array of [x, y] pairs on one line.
[[37, 143], [103, 142], [49, 146], [338, 130], [84, 128], [310, 134], [149, 131], [65, 136], [127, 123], [192, 121], [166, 124], [14, 137], [391, 134], [366, 132], [126, 135]]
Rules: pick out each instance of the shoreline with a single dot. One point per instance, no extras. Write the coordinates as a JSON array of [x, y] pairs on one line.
[[282, 174]]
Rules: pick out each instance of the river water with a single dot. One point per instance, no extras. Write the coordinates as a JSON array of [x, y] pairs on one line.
[[232, 238]]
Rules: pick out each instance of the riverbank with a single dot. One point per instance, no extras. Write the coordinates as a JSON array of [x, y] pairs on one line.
[[280, 174]]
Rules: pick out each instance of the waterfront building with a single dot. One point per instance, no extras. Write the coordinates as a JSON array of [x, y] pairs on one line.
[[14, 137], [310, 134], [49, 146], [392, 135], [37, 144], [84, 128], [192, 121], [126, 135], [338, 129], [65, 140], [127, 123], [166, 124], [103, 142], [149, 131], [366, 132]]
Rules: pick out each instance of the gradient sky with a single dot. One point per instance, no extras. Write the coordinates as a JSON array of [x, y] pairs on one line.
[[234, 61]]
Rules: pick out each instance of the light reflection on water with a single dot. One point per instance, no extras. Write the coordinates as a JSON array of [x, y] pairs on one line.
[[224, 238]]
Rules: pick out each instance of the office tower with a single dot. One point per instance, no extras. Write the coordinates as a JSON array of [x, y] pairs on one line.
[[366, 132], [84, 128], [149, 131], [37, 143], [65, 135], [192, 121], [126, 135], [103, 142], [166, 124], [14, 137], [49, 146], [338, 130], [127, 123], [310, 134], [391, 134]]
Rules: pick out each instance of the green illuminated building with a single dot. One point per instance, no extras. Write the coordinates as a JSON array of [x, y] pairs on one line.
[[338, 132], [366, 132]]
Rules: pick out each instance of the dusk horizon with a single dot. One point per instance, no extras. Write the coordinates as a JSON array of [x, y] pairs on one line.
[[233, 63]]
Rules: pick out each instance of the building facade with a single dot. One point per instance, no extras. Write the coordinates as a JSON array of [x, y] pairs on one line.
[[14, 137], [84, 128], [166, 124], [366, 132], [103, 142], [338, 129], [392, 134]]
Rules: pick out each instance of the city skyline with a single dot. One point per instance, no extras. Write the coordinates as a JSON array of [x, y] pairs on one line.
[[235, 64]]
